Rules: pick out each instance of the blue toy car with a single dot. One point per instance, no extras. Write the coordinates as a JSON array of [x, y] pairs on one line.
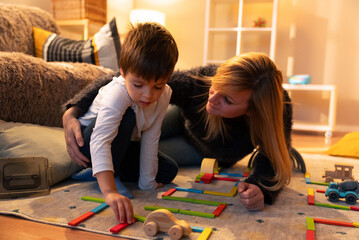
[[347, 189]]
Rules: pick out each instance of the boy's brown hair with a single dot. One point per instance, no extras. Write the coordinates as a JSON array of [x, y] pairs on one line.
[[149, 51]]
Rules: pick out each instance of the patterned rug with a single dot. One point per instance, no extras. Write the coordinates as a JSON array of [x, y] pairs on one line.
[[285, 219]]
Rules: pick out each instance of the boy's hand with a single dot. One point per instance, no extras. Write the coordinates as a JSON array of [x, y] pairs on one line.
[[73, 136], [251, 196], [121, 206]]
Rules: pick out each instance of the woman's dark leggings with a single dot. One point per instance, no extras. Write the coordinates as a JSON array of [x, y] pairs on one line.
[[126, 154]]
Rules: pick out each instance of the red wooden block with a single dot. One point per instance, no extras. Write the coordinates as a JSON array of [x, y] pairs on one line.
[[169, 192], [80, 219], [219, 209], [226, 179], [333, 222], [310, 235], [207, 177], [119, 227], [354, 208], [310, 199], [320, 191]]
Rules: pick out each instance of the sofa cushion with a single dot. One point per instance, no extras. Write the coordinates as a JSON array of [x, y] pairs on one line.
[[33, 91], [16, 22], [103, 49], [29, 140]]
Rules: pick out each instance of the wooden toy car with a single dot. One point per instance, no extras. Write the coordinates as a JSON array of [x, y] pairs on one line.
[[163, 220], [342, 171]]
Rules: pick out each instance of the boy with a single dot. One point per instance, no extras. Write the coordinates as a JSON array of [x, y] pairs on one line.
[[130, 109]]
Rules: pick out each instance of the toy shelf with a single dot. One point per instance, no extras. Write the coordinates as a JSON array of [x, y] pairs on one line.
[[328, 128]]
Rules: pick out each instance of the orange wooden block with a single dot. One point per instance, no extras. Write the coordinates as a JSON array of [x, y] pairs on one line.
[[119, 227], [80, 219]]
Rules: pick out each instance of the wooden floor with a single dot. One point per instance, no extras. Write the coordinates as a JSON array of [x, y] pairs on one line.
[[18, 229]]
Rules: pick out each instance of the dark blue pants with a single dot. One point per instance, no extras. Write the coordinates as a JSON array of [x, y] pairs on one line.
[[126, 154]]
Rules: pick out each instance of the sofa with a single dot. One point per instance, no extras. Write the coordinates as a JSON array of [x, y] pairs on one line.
[[35, 82]]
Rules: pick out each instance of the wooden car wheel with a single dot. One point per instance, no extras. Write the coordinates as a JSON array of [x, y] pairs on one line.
[[151, 229], [175, 232]]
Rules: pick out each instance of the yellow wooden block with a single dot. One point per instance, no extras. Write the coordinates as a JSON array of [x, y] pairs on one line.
[[209, 165], [356, 224], [307, 175], [205, 234], [311, 191], [218, 193], [234, 191]]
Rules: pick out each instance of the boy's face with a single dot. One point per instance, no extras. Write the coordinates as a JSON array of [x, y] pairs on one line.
[[143, 92]]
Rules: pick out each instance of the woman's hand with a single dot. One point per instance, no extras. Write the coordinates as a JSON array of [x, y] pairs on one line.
[[121, 206], [251, 196], [73, 136]]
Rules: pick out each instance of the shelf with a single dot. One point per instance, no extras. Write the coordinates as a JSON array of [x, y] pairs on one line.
[[230, 31], [80, 25], [329, 127]]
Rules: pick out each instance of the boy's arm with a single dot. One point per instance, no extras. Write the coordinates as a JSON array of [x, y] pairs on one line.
[[84, 98], [120, 204]]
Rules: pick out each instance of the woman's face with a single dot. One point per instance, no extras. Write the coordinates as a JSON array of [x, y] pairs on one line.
[[229, 105]]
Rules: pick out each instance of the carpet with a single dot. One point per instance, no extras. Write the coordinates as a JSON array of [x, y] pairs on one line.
[[285, 219]]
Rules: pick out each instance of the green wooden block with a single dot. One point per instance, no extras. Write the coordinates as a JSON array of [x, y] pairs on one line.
[[199, 176], [140, 218], [199, 214], [92, 199], [310, 224], [182, 199], [332, 206], [206, 202], [320, 183], [153, 208]]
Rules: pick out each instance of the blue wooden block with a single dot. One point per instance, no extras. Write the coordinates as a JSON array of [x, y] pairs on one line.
[[197, 229], [99, 208], [189, 190]]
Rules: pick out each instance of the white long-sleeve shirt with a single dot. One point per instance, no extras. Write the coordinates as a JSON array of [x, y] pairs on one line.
[[109, 107]]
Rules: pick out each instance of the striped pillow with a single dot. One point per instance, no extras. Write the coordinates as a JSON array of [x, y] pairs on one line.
[[103, 49]]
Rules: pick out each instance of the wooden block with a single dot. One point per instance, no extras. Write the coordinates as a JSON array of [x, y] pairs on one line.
[[182, 199], [199, 214], [140, 218], [332, 206], [169, 192], [246, 173], [226, 179], [320, 191], [234, 191], [119, 227], [198, 178], [153, 208], [218, 193], [231, 174], [310, 223], [311, 200], [307, 175], [205, 234], [99, 208], [209, 165], [189, 190], [355, 224], [197, 229], [92, 199], [354, 208], [311, 191], [80, 219], [207, 178], [219, 209], [207, 202], [333, 222], [310, 235]]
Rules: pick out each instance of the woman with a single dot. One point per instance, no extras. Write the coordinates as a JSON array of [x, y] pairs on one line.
[[222, 113]]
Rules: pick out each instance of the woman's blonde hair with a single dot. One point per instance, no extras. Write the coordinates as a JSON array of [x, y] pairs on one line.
[[256, 72]]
